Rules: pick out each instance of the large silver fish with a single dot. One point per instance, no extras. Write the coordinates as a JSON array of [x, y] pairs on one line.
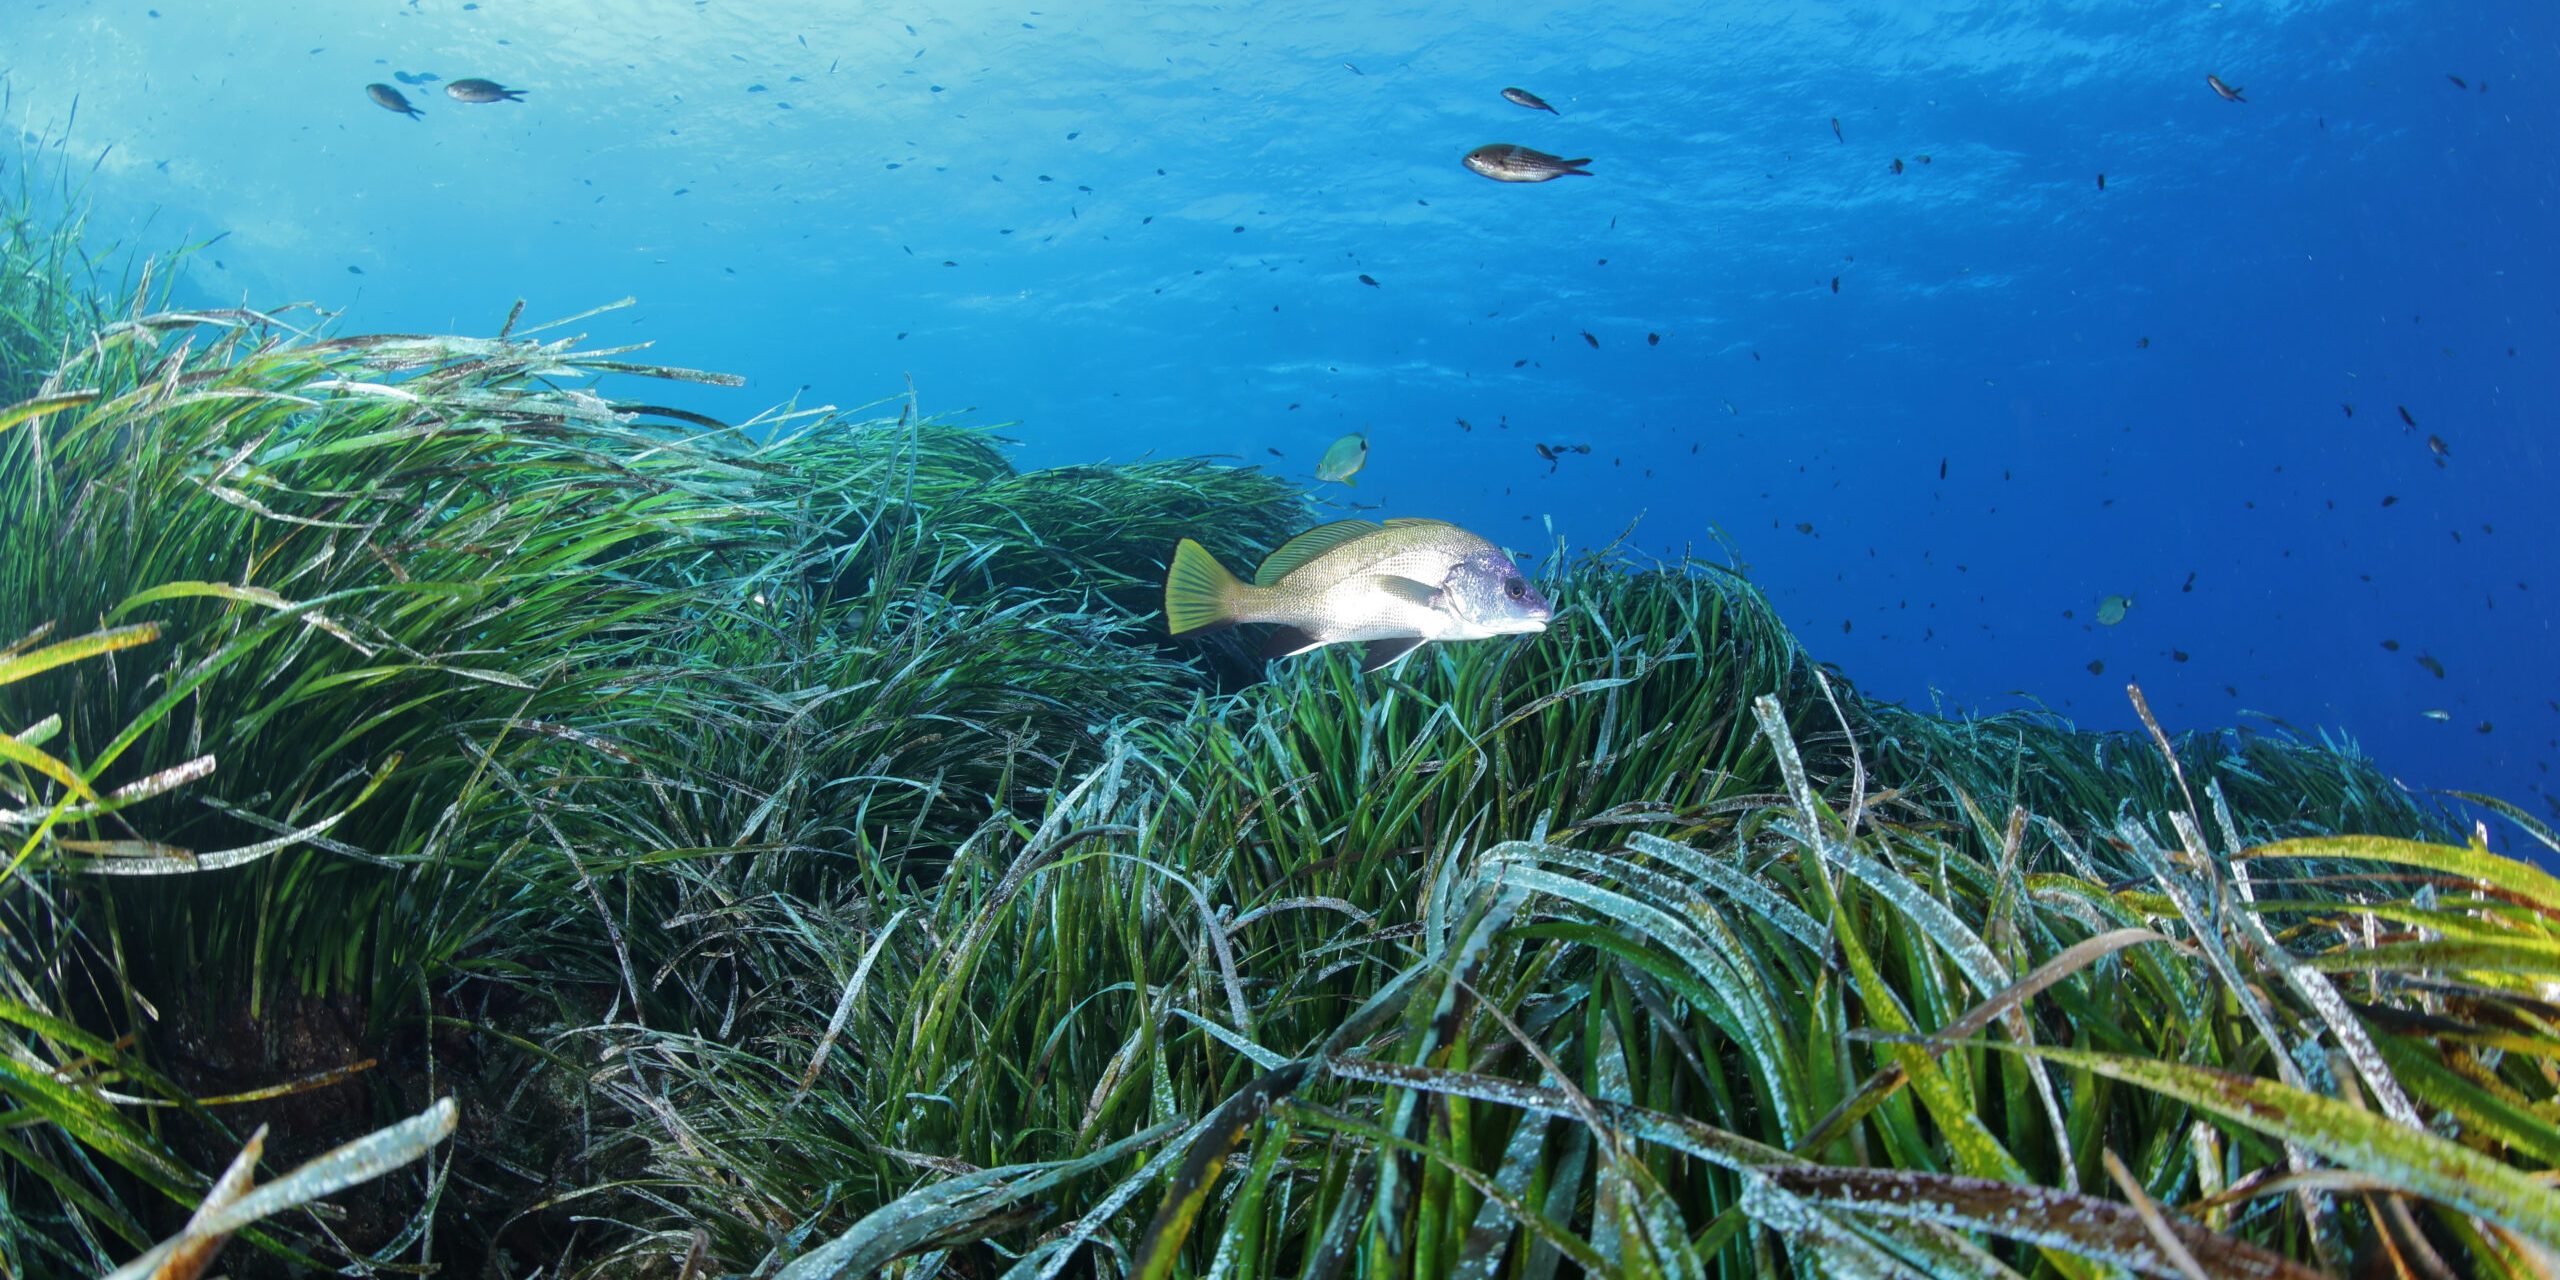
[[1394, 586], [477, 90], [1503, 162], [390, 99]]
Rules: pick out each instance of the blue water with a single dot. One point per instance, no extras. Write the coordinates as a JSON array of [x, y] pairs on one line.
[[1132, 235]]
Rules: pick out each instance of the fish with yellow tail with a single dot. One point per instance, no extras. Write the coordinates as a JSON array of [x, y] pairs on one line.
[[1392, 586]]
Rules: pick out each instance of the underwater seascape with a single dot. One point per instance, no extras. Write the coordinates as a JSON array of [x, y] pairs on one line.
[[692, 639]]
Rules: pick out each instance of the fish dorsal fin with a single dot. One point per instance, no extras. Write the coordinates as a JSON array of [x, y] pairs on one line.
[[1307, 546], [1407, 522]]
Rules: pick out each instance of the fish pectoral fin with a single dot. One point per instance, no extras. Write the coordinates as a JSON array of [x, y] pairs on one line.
[[1288, 641], [1421, 594], [1381, 653]]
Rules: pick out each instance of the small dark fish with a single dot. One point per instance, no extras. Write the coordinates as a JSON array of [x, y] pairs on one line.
[[477, 90], [1653, 339], [2389, 498], [2351, 409], [2458, 82], [2391, 645], [1522, 97], [1804, 526], [1544, 452], [1582, 448], [1464, 425], [2404, 417], [2229, 93], [389, 99], [2097, 666], [1835, 129], [1503, 162], [1273, 452], [415, 77], [1586, 337], [1924, 159], [355, 270], [1835, 284], [1366, 279], [1942, 468], [1897, 164], [2434, 668], [2102, 182], [2436, 446], [1353, 70]]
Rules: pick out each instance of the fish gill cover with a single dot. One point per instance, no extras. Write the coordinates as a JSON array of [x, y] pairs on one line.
[[667, 826]]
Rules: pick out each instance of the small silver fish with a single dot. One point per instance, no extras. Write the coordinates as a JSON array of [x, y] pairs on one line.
[[2229, 93], [482, 91], [1344, 459], [389, 99], [1522, 97], [1503, 162], [1394, 586]]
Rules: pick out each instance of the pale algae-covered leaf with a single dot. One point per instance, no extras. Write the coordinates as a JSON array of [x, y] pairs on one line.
[[2414, 1161], [1641, 1225], [1838, 1250], [1053, 1258], [2100, 1230], [1718, 1147], [1751, 892], [362, 1160], [1756, 1023], [1489, 1237], [2519, 878], [950, 1207]]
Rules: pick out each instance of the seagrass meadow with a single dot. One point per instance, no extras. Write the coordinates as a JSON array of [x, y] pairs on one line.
[[794, 849]]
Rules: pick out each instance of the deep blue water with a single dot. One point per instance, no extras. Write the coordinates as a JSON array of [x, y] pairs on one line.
[[1133, 234]]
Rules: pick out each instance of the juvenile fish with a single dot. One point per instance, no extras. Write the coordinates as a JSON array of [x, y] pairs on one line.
[[1344, 459], [2229, 94], [1522, 97], [1503, 162], [1394, 586], [389, 99], [476, 90]]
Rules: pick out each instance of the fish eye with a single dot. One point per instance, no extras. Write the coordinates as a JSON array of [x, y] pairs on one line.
[[1515, 587]]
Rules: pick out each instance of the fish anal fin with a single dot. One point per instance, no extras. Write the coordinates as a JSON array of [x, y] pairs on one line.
[[1307, 546], [1288, 641], [1379, 653]]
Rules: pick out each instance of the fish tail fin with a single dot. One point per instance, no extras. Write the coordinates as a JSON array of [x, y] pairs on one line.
[[1199, 593], [1575, 167]]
